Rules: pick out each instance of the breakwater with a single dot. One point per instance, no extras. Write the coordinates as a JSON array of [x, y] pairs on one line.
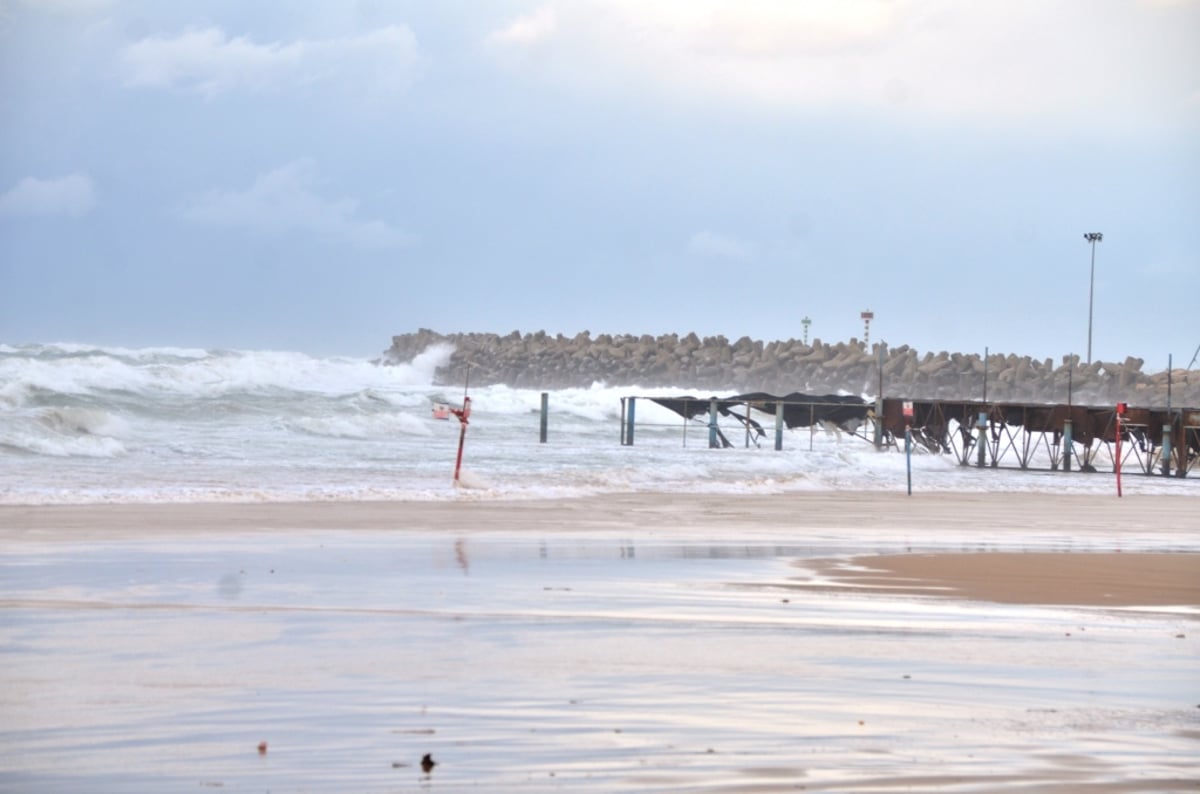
[[542, 361]]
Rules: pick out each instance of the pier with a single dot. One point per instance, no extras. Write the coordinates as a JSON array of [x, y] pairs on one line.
[[1061, 437]]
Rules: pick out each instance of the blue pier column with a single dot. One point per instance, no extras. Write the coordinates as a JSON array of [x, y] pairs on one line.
[[778, 426], [629, 421], [981, 445], [712, 425], [908, 455], [1068, 445], [1166, 450]]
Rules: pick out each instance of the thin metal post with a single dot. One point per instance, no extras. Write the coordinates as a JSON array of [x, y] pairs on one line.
[[545, 417], [685, 422], [1068, 443], [1168, 427], [908, 454], [712, 424], [981, 454], [629, 422], [779, 425], [747, 425]]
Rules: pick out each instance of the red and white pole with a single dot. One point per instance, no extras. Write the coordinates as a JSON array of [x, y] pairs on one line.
[[1119, 414]]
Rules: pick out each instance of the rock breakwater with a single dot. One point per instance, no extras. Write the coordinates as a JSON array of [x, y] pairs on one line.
[[541, 361]]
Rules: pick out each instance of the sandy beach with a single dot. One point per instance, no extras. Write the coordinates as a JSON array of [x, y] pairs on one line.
[[636, 642], [1115, 576]]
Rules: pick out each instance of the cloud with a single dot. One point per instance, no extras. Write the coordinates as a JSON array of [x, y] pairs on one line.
[[717, 246], [69, 7], [211, 63], [284, 200], [1126, 64], [74, 195], [527, 30], [1168, 4]]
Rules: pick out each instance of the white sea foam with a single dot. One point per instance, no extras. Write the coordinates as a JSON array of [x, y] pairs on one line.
[[362, 426], [88, 424]]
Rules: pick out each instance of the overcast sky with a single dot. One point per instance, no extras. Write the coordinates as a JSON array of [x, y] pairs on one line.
[[317, 176]]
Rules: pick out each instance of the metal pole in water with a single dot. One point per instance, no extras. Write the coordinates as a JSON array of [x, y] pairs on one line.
[[981, 454], [908, 454], [778, 425], [622, 421], [1168, 427], [629, 422], [712, 424], [1068, 444], [545, 417]]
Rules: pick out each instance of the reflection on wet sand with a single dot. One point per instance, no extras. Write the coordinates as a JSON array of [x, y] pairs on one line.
[[617, 660]]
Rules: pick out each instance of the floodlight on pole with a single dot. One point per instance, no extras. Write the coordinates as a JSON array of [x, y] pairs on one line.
[[806, 322], [1093, 238], [867, 317]]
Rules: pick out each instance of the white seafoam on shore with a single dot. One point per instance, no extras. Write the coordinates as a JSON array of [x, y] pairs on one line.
[[83, 424]]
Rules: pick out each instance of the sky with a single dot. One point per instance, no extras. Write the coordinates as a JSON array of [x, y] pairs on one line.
[[317, 176]]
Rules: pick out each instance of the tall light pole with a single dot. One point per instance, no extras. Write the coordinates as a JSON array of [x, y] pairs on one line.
[[1093, 238], [806, 322]]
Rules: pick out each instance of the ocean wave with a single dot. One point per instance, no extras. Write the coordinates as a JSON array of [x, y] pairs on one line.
[[174, 373], [362, 426], [63, 431], [58, 446], [85, 421]]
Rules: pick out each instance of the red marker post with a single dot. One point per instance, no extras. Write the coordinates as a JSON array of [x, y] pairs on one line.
[[1120, 412], [463, 414], [908, 416]]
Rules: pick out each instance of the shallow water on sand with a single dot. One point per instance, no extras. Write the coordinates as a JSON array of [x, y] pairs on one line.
[[580, 662]]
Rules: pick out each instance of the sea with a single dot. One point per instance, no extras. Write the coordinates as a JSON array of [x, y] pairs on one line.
[[83, 424]]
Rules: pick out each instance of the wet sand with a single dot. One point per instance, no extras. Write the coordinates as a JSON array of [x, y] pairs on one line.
[[1115, 576], [639, 642], [1110, 579]]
